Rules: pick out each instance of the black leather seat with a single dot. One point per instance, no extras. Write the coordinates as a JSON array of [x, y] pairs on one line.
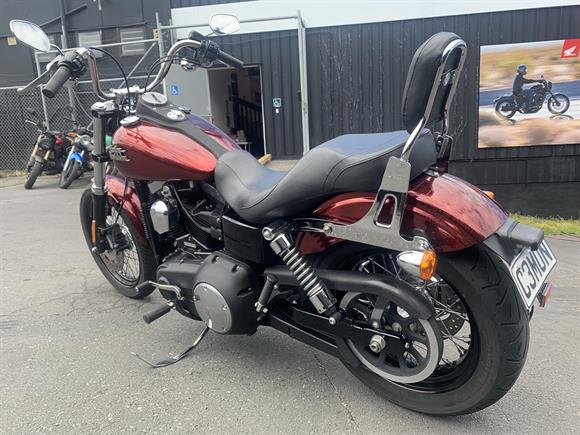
[[349, 163]]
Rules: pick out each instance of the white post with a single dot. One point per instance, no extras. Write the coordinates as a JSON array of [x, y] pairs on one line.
[[303, 83]]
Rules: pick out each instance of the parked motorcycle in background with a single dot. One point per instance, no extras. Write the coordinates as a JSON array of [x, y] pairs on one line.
[[78, 158], [506, 106], [49, 152]]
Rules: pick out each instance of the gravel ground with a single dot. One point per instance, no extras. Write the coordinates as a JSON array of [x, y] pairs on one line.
[[66, 367]]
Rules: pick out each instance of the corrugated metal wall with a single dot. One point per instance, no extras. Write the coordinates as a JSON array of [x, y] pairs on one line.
[[277, 54]]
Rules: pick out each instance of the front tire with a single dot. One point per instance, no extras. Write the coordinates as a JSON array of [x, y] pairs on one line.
[[34, 173], [139, 255], [558, 104], [73, 172], [499, 330]]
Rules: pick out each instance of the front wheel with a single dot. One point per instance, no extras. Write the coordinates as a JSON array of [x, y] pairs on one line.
[[72, 172], [558, 104], [33, 174], [479, 317], [127, 267]]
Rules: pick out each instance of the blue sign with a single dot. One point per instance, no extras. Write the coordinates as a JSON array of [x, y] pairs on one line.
[[174, 90]]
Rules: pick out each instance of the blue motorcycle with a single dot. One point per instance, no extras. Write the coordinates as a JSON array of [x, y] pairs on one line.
[[78, 160]]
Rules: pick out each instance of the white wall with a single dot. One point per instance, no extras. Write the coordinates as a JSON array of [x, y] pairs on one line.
[[321, 13]]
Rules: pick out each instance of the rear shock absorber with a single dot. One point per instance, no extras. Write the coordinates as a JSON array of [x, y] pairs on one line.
[[282, 244]]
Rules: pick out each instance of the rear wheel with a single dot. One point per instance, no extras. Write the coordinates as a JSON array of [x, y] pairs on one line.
[[124, 268], [483, 325], [505, 108], [33, 174]]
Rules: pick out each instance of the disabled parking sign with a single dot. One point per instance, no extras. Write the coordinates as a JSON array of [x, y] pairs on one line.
[[174, 90]]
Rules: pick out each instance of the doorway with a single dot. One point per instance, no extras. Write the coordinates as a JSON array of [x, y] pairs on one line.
[[236, 105]]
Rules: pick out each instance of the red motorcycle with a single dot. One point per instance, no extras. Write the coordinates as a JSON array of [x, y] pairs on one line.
[[367, 249]]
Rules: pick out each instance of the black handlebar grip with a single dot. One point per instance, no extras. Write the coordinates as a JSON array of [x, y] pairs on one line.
[[57, 81], [156, 314], [229, 59]]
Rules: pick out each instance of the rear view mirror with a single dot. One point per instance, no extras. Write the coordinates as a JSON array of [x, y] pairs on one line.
[[30, 34], [223, 24]]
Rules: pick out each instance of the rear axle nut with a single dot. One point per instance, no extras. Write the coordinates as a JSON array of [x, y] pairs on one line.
[[377, 343]]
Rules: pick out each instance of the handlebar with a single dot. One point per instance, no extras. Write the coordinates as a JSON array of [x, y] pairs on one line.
[[74, 63], [230, 60], [57, 81]]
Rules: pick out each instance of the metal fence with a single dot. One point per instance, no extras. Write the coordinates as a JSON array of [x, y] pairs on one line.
[[17, 137]]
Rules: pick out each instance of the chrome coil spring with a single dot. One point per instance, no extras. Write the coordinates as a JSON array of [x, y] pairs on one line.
[[315, 289], [301, 269]]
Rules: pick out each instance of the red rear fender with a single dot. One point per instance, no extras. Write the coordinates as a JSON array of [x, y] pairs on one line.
[[452, 213]]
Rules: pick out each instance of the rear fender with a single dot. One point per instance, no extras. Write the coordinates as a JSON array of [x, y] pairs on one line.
[[131, 206], [450, 212]]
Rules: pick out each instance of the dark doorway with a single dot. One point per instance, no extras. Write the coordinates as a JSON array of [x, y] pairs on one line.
[[236, 105]]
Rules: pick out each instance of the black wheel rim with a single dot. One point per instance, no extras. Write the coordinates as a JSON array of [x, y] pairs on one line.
[[458, 330]]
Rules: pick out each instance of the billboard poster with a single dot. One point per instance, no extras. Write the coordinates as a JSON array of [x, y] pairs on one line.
[[529, 94]]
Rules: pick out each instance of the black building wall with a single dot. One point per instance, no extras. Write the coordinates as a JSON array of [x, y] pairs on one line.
[[113, 15], [356, 78]]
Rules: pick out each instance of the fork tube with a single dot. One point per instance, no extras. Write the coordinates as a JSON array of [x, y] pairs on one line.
[[101, 112]]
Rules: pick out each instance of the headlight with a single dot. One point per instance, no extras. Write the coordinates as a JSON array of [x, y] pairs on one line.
[[84, 140]]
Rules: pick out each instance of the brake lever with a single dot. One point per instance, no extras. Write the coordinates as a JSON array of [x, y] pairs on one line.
[[49, 68], [34, 82]]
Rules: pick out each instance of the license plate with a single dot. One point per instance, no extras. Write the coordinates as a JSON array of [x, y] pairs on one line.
[[530, 269]]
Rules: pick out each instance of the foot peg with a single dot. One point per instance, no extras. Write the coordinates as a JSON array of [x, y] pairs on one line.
[[176, 358], [156, 314]]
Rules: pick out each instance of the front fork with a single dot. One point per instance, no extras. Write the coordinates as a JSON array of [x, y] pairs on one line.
[[102, 112]]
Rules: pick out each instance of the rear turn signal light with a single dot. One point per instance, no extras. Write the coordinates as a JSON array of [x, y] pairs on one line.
[[489, 193], [428, 265], [421, 264]]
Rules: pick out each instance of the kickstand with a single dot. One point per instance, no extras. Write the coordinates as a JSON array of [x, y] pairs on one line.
[[176, 358]]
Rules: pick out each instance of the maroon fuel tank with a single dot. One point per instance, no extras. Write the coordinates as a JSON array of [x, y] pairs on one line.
[[149, 151]]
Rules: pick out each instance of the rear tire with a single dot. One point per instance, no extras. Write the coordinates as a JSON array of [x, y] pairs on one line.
[[502, 111], [146, 259], [73, 172], [36, 170], [500, 333]]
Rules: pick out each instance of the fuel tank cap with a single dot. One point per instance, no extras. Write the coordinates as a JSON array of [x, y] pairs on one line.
[[130, 120], [154, 98]]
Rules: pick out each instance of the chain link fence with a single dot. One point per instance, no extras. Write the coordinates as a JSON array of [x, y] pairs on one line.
[[17, 137]]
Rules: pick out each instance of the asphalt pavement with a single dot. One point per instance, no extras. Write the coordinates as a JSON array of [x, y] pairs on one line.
[[66, 339]]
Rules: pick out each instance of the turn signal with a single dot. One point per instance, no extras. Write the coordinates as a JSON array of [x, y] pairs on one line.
[[421, 264], [428, 265], [489, 194]]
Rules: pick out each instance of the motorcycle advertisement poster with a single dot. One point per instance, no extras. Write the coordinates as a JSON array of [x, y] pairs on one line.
[[529, 94]]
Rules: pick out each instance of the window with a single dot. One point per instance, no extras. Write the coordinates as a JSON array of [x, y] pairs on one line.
[[132, 34], [90, 39], [54, 38]]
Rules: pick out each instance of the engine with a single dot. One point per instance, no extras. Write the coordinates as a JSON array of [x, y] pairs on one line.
[[220, 290]]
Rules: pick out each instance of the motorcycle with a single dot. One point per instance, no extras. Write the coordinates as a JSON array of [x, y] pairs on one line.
[[420, 283], [506, 106], [77, 159], [48, 153]]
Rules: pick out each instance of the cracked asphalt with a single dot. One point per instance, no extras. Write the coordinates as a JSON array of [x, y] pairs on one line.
[[66, 340]]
